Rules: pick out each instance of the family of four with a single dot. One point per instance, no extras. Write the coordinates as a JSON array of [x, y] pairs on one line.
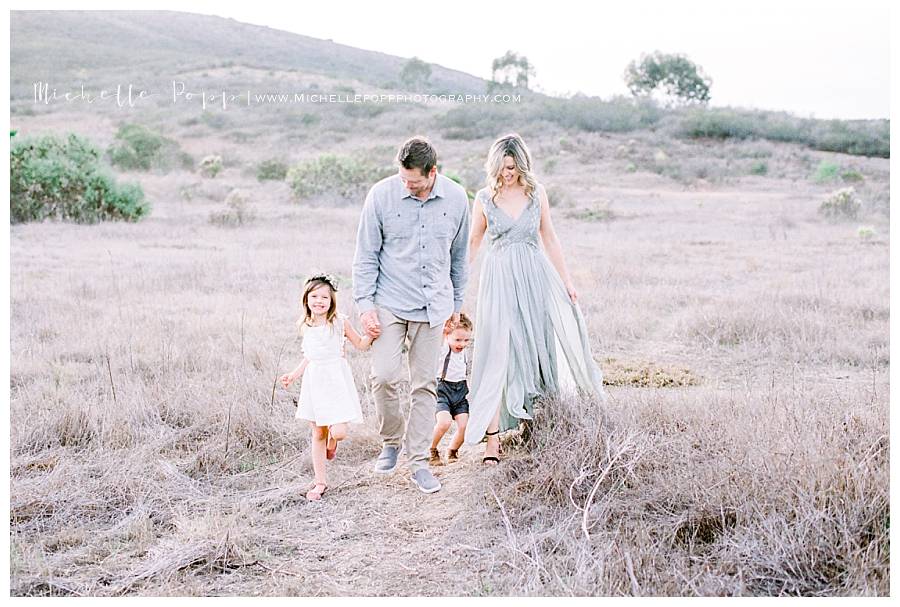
[[416, 240]]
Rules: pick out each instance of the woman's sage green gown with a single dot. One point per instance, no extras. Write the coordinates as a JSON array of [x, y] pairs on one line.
[[530, 339]]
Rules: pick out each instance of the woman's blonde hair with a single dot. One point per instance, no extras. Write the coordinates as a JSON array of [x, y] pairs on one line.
[[513, 146], [311, 285]]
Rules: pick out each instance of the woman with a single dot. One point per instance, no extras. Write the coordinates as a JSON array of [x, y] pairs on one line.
[[530, 336]]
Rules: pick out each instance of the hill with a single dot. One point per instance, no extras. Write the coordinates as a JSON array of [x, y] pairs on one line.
[[60, 45]]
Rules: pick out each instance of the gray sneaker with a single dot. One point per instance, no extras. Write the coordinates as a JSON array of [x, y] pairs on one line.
[[425, 481], [387, 460]]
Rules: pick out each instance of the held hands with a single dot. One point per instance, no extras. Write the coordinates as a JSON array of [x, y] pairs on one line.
[[370, 324], [573, 294], [288, 378], [451, 322]]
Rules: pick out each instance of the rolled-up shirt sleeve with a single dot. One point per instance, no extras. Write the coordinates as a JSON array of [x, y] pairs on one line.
[[366, 259], [459, 266]]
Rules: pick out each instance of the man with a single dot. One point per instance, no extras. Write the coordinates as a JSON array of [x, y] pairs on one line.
[[409, 276]]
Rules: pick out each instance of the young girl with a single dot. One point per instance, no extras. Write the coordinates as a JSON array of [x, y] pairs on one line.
[[328, 398]]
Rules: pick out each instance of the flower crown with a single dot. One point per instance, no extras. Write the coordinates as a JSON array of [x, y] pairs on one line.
[[331, 280]]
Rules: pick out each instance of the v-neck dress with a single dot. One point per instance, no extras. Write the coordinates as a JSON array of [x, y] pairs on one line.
[[530, 339]]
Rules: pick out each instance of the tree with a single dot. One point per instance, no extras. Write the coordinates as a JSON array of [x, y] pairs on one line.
[[511, 69], [681, 80], [415, 73]]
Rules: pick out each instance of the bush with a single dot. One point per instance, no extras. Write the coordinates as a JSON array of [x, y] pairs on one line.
[[716, 124], [852, 176], [842, 204], [341, 175], [826, 171], [57, 178], [860, 137], [141, 149], [600, 211], [592, 114], [415, 73], [479, 122], [865, 233], [271, 170], [210, 166], [366, 111], [760, 167], [237, 211]]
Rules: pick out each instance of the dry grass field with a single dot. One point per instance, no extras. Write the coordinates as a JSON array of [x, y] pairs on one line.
[[744, 449]]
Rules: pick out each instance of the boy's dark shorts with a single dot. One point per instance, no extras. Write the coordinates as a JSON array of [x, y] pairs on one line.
[[451, 397]]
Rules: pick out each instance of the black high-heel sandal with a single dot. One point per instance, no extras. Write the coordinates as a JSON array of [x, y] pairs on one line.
[[491, 458]]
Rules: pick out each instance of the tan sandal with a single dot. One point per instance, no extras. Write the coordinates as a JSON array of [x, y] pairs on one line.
[[313, 495]]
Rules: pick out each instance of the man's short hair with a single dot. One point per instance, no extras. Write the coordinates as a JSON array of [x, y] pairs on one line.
[[417, 153]]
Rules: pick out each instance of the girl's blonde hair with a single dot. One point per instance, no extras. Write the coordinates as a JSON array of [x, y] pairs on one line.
[[311, 285], [513, 146]]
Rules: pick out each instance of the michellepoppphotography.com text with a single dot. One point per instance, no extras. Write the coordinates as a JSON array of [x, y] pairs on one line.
[[130, 95]]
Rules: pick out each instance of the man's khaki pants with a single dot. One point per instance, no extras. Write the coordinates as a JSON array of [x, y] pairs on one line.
[[387, 373]]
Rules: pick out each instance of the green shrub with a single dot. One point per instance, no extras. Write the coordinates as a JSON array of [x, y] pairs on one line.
[[211, 165], [216, 120], [826, 171], [332, 174], [366, 111], [307, 119], [760, 167], [851, 176], [599, 211], [271, 170], [592, 114], [56, 178], [141, 149], [842, 204], [865, 233], [860, 137], [471, 122], [715, 124]]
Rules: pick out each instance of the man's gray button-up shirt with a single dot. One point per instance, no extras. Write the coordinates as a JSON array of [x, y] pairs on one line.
[[411, 254]]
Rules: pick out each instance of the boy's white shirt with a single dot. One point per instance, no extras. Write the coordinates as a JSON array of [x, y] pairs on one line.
[[456, 370]]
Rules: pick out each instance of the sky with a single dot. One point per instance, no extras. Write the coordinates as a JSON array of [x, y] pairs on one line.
[[823, 59]]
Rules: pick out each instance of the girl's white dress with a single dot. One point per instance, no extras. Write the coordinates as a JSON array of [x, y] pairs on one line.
[[327, 392]]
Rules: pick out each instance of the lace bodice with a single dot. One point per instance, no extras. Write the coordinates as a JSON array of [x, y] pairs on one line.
[[503, 230]]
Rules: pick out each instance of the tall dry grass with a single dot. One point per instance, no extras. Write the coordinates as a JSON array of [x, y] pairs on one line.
[[152, 453], [777, 490]]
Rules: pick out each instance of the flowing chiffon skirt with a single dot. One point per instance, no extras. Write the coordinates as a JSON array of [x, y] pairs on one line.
[[530, 339]]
